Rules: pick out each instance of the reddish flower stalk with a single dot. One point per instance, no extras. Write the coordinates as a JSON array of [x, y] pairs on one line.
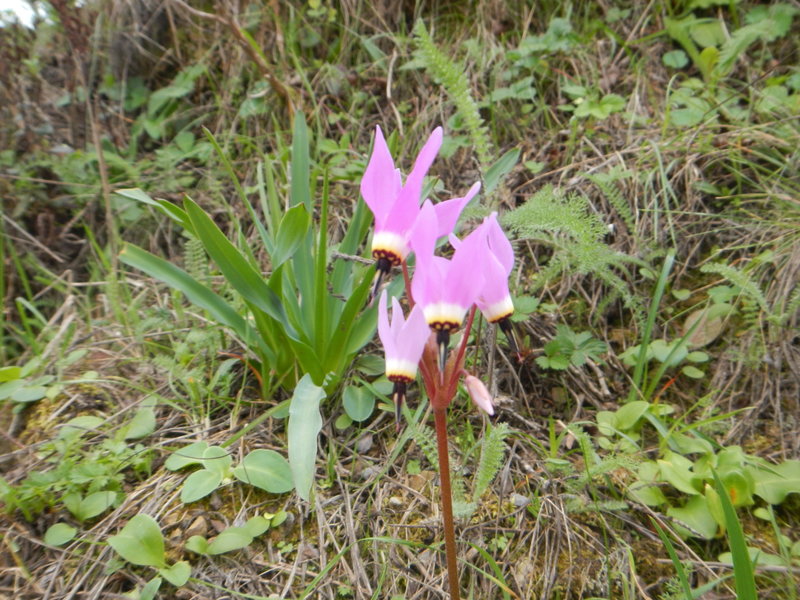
[[441, 389]]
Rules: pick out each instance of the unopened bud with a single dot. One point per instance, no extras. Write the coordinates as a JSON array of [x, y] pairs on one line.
[[479, 394]]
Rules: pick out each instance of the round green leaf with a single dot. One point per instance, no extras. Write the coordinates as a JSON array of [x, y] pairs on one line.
[[59, 534], [188, 455], [178, 574], [257, 525], [232, 538], [94, 504], [358, 402], [343, 421], [199, 485], [267, 470], [629, 414], [198, 544], [675, 59], [217, 459], [29, 393], [692, 372], [140, 542]]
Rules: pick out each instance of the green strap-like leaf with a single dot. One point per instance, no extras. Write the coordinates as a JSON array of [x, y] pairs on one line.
[[196, 292], [237, 270], [305, 423]]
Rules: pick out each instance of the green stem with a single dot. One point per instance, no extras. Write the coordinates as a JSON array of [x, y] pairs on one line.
[[440, 419]]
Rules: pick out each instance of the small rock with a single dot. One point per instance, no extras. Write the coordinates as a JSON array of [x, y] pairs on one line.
[[369, 472], [198, 527], [364, 443], [396, 502], [519, 500]]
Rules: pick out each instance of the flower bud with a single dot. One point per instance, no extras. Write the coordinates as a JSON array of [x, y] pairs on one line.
[[479, 394]]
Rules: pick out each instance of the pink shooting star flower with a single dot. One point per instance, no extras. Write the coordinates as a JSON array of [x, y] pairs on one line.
[[396, 206], [494, 300], [445, 289], [403, 342]]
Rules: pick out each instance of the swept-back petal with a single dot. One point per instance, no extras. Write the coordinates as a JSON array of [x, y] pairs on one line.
[[447, 212], [424, 161], [414, 336], [384, 327], [499, 244], [465, 277], [381, 182]]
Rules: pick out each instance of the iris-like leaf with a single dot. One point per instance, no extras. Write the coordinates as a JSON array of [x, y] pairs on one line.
[[304, 426]]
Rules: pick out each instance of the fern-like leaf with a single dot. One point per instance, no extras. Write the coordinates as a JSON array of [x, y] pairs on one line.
[[492, 453], [740, 279], [453, 79]]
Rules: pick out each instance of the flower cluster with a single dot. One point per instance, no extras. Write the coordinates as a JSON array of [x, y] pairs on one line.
[[443, 291]]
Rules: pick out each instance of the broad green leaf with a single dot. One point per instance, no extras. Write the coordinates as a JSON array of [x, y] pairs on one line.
[[291, 233], [359, 402], [94, 504], [59, 534], [694, 518], [200, 484], [774, 482], [10, 373], [188, 455], [676, 470], [692, 372], [267, 470], [257, 525], [758, 557], [197, 293], [140, 542], [675, 59], [628, 416], [29, 394], [198, 544], [142, 424], [304, 426], [707, 32], [648, 494], [178, 574], [238, 271], [217, 459], [10, 387], [232, 538]]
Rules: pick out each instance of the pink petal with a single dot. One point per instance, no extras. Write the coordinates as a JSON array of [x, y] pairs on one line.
[[448, 212], [424, 161], [384, 328], [381, 181], [465, 277], [414, 336], [479, 394], [499, 244], [495, 285]]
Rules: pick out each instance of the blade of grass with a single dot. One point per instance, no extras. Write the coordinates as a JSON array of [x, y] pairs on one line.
[[639, 370], [742, 565]]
